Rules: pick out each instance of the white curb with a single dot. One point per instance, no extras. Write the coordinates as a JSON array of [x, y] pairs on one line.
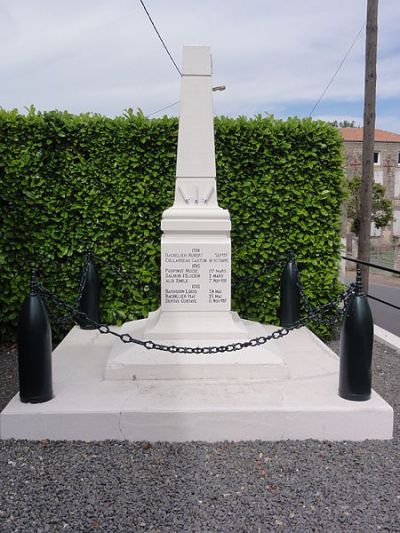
[[386, 337]]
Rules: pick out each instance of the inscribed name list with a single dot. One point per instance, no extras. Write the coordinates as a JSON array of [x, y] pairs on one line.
[[195, 278]]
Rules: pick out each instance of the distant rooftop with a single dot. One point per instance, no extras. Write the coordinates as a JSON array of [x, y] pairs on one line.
[[356, 134]]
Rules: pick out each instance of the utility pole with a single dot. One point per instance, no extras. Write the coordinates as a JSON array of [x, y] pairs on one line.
[[367, 174]]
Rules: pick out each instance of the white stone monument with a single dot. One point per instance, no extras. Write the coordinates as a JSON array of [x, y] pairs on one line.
[[105, 389], [195, 262]]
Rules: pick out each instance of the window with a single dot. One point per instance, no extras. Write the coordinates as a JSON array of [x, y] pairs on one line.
[[378, 176], [398, 159], [377, 158], [396, 223], [375, 232]]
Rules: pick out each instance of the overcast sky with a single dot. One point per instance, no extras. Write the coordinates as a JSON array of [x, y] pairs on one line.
[[274, 56]]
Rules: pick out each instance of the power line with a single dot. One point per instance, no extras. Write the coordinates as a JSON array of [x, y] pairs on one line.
[[337, 70], [162, 109], [214, 89], [161, 39]]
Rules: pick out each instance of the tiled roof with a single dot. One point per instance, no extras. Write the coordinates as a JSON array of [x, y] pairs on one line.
[[356, 134]]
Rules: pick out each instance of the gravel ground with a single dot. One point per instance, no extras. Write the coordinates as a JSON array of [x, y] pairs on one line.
[[295, 486]]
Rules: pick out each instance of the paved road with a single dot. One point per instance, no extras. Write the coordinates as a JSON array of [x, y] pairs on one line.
[[385, 316], [388, 289]]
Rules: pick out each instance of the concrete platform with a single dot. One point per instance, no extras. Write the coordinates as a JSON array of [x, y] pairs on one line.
[[302, 406], [133, 361]]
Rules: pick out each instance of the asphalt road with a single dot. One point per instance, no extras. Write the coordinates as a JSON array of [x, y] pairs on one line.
[[385, 316], [386, 288]]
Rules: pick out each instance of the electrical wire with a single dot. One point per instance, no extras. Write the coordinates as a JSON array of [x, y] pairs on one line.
[[217, 88], [161, 39], [162, 109], [337, 70]]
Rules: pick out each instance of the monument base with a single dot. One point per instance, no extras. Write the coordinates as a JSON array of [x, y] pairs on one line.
[[132, 361], [306, 405]]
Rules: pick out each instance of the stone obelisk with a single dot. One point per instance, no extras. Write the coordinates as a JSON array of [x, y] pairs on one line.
[[195, 264], [196, 246]]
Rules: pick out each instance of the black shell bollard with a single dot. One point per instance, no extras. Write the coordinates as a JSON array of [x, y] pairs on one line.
[[34, 350], [357, 338], [289, 311], [89, 302]]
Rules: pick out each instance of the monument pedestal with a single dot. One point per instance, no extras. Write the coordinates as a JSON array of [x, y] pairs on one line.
[[135, 362], [306, 405]]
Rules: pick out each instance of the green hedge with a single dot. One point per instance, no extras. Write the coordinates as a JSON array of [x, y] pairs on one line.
[[68, 182]]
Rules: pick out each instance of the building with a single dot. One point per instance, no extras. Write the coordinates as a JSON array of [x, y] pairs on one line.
[[386, 172]]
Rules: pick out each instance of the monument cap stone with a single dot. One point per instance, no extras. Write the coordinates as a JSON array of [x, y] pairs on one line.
[[196, 152], [197, 60]]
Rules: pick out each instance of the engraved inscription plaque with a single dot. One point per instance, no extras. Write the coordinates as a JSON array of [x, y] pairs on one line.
[[195, 277]]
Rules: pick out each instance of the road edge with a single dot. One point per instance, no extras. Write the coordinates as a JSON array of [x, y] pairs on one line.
[[386, 337]]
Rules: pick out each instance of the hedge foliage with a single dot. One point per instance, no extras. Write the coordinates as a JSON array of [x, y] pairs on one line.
[[68, 182]]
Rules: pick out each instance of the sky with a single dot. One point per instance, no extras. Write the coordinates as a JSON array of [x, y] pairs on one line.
[[274, 56]]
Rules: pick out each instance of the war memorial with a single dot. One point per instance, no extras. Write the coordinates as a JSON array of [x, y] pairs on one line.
[[198, 371]]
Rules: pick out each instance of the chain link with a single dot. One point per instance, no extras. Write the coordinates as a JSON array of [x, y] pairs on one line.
[[342, 298], [232, 347], [48, 296], [300, 286], [83, 278], [313, 315], [308, 307], [271, 266]]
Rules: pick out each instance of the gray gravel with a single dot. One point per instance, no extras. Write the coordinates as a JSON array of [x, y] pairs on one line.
[[259, 486]]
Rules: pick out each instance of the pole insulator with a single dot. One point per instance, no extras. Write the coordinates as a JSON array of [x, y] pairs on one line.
[[89, 302], [356, 340], [34, 349], [289, 311]]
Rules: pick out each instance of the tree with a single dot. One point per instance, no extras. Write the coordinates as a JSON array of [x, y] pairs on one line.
[[343, 124], [382, 209]]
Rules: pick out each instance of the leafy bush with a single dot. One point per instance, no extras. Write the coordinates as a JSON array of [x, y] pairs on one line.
[[68, 182]]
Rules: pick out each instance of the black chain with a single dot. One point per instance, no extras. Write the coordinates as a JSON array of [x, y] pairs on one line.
[[48, 296], [83, 278], [300, 286], [343, 298], [271, 266], [232, 347], [74, 314], [308, 307]]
